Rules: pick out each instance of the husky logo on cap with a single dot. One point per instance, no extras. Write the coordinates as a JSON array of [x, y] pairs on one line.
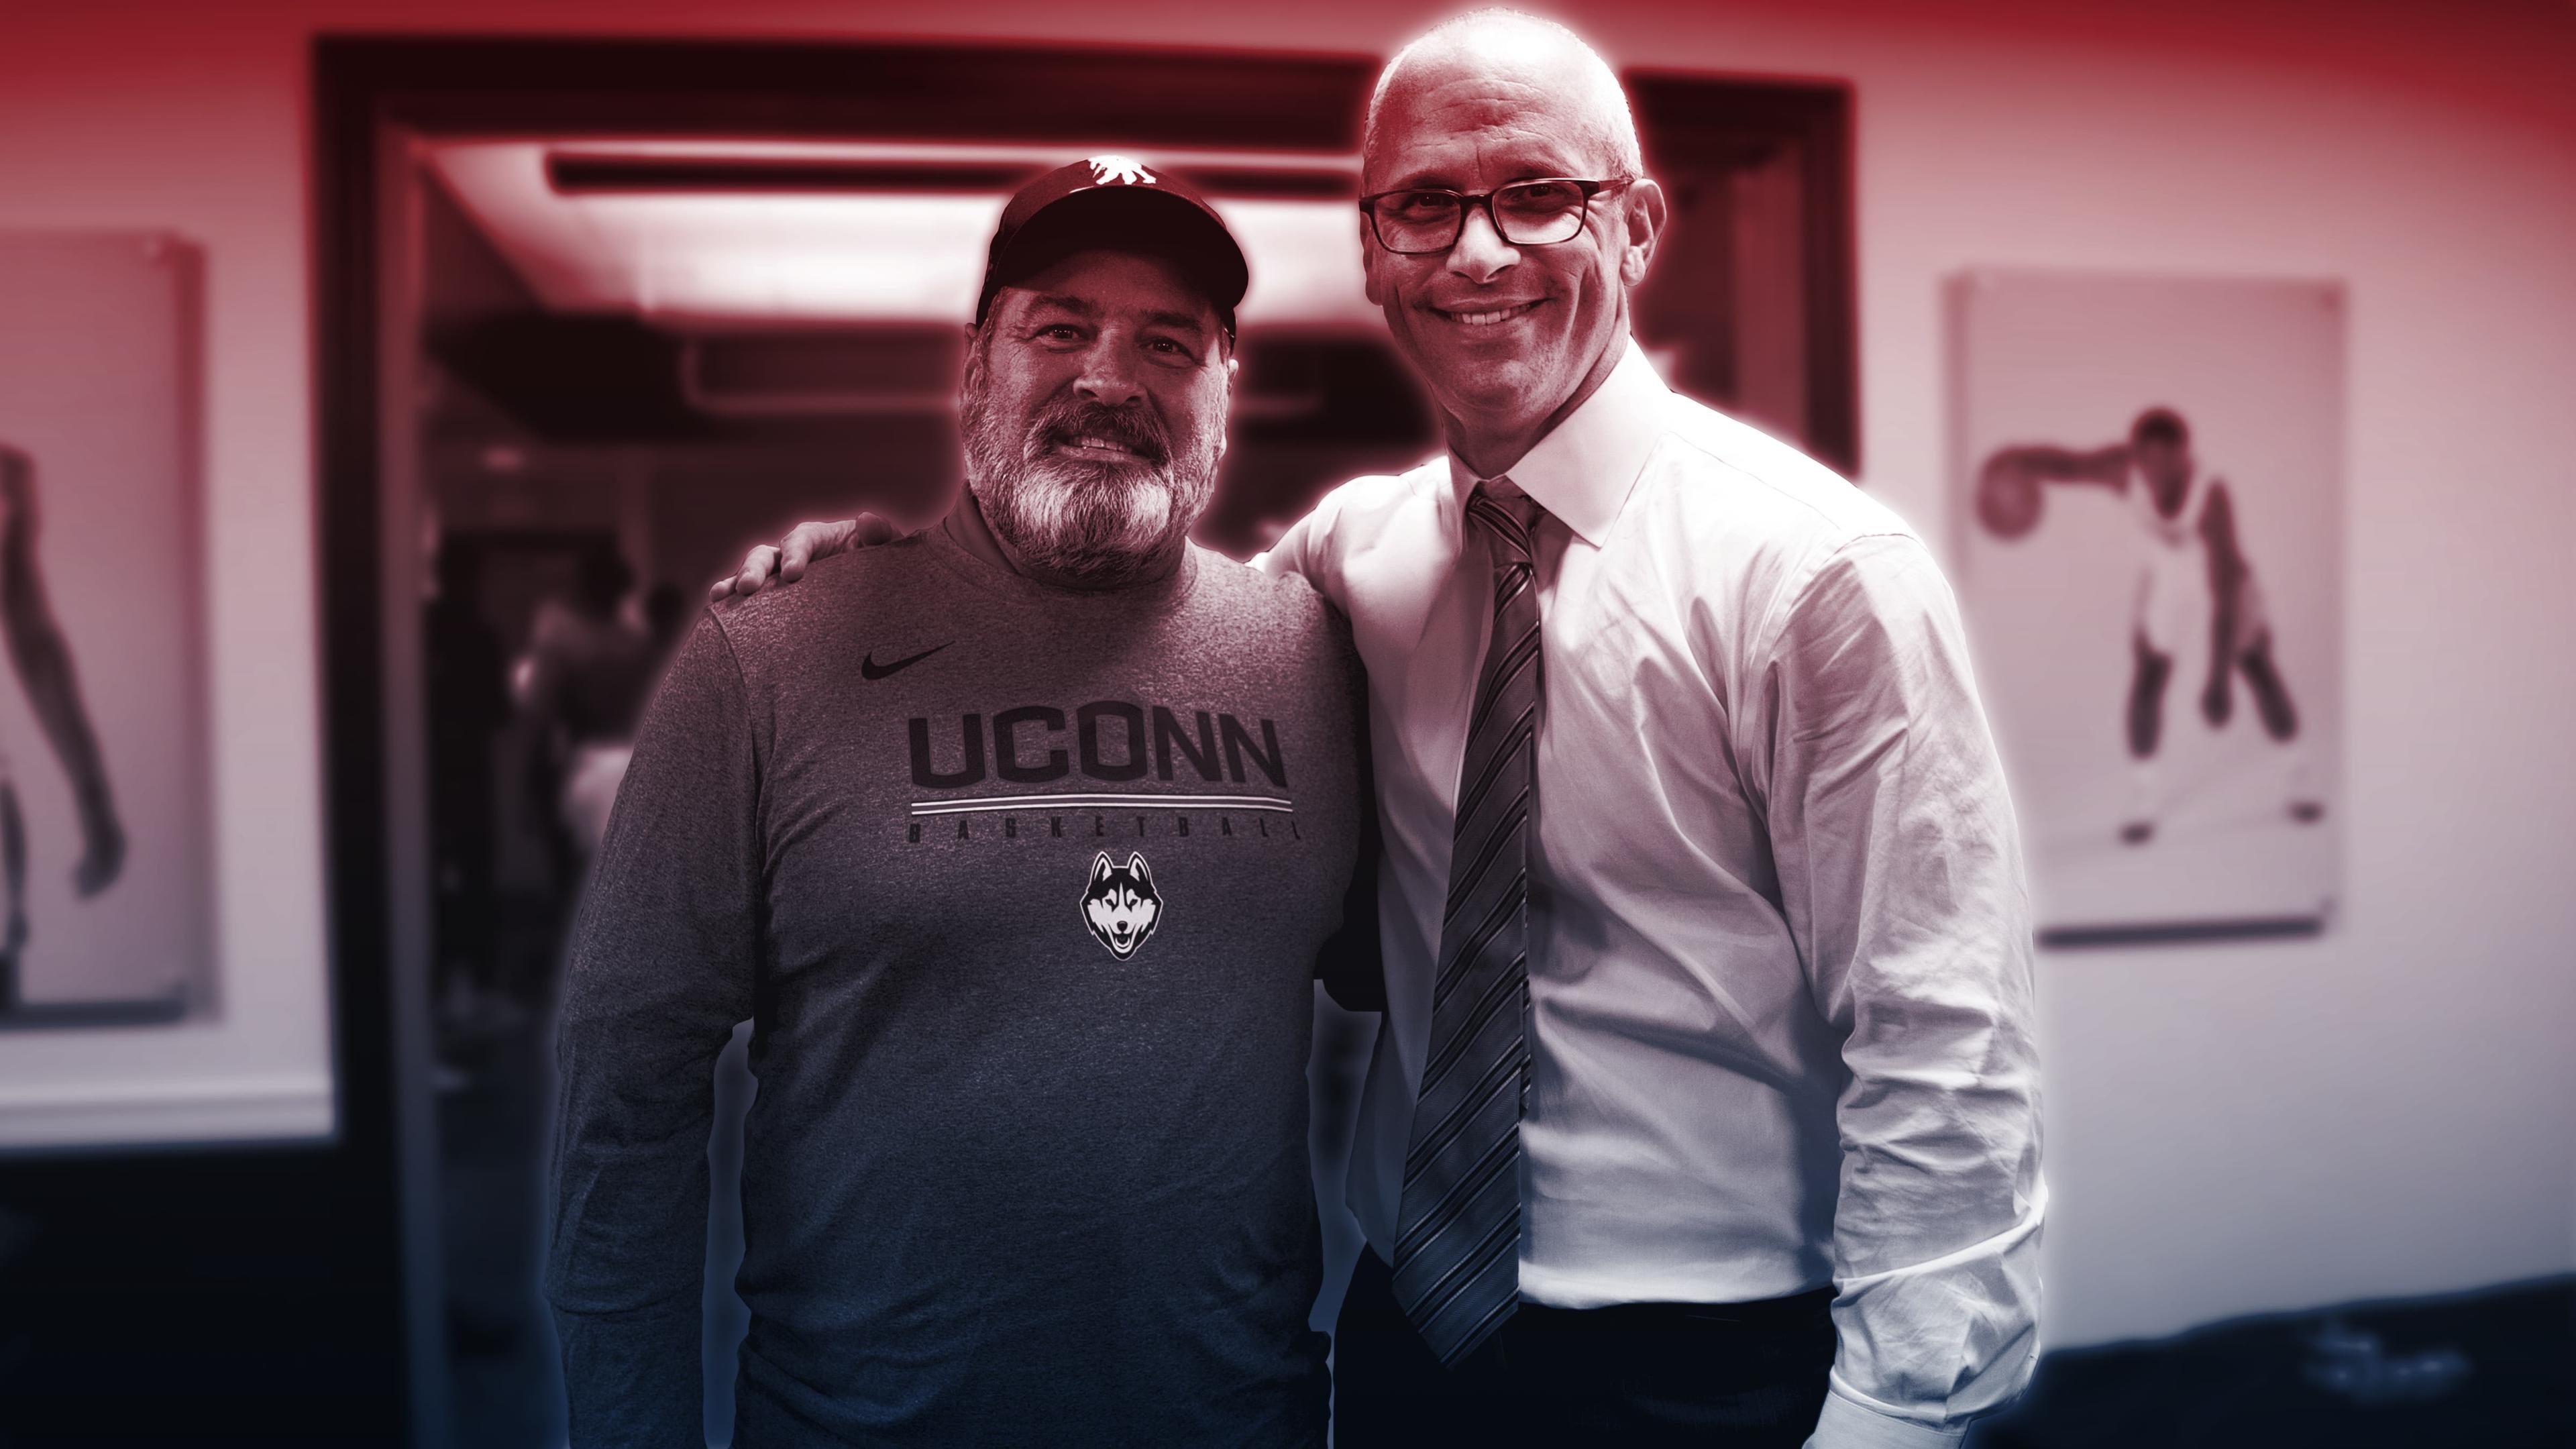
[[1120, 906], [1119, 170]]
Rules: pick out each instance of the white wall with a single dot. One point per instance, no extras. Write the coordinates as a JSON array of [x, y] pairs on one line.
[[2383, 1111]]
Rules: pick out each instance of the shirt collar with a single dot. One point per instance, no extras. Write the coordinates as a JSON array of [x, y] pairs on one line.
[[1583, 470]]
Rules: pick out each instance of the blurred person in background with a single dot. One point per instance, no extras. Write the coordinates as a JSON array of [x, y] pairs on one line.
[[583, 681], [43, 660], [1705, 1106], [666, 619], [1028, 1160], [469, 704]]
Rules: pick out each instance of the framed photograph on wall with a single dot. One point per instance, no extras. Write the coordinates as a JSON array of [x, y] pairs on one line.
[[2148, 485], [104, 870]]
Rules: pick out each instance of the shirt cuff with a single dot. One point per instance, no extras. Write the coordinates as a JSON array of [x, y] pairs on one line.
[[1846, 1424]]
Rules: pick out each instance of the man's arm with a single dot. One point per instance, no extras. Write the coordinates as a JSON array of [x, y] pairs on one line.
[[2107, 466], [1300, 550], [661, 967], [44, 664], [1901, 877]]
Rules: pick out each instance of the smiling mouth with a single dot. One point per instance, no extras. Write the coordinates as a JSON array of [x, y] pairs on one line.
[[1091, 447], [1490, 317]]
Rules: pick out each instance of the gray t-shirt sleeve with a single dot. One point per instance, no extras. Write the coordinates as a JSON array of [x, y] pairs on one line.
[[660, 967]]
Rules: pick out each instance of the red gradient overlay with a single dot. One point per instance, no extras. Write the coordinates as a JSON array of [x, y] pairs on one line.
[[2232, 1128]]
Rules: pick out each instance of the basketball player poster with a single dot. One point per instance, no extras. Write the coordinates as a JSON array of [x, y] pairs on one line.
[[105, 919], [2148, 503]]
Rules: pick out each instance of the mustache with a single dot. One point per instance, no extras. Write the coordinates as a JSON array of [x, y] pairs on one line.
[[1128, 428]]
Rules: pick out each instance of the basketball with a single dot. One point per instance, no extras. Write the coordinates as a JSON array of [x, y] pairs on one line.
[[2007, 499]]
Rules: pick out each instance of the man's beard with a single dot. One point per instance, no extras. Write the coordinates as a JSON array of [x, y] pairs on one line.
[[1096, 524]]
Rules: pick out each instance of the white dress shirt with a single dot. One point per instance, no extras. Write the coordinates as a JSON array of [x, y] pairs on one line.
[[1781, 1015]]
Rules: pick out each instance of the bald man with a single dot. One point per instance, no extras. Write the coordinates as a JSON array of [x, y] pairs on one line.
[[1704, 1109]]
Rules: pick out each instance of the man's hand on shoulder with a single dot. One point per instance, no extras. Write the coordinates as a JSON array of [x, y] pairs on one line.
[[785, 561]]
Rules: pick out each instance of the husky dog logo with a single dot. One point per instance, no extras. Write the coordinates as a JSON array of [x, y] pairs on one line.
[[1119, 170], [1120, 906]]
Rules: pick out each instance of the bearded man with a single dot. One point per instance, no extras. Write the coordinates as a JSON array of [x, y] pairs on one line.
[[1019, 841]]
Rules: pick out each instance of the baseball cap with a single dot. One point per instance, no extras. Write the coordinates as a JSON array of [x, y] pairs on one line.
[[1115, 203]]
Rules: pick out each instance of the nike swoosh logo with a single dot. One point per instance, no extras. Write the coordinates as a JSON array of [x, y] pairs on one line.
[[869, 668]]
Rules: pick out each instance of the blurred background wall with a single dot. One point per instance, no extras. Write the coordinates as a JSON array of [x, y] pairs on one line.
[[2382, 1111]]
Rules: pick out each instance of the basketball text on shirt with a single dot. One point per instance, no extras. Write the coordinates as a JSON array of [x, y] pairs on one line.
[[1111, 740]]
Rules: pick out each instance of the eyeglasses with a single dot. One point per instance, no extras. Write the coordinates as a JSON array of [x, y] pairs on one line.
[[1419, 221]]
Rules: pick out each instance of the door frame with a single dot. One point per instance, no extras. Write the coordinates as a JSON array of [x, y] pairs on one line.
[[374, 94]]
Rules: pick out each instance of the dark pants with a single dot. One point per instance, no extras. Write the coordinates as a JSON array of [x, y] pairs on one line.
[[1734, 1375]]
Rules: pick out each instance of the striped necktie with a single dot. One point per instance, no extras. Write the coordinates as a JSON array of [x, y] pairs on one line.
[[1458, 1231]]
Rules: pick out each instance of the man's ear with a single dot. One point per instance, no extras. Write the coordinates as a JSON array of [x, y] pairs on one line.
[[1226, 385], [970, 359], [1645, 211]]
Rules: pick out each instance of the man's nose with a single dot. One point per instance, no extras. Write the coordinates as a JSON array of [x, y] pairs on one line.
[[1480, 251], [1109, 374]]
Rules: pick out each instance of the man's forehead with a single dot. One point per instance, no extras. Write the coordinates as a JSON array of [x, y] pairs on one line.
[[1493, 122], [1106, 281]]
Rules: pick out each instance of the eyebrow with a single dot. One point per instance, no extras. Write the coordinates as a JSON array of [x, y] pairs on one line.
[[1063, 303], [1432, 178], [1082, 307], [1423, 181]]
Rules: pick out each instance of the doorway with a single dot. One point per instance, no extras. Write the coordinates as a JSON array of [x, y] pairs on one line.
[[614, 311]]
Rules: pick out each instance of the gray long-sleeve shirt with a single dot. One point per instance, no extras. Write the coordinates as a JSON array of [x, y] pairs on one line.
[[1024, 891]]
